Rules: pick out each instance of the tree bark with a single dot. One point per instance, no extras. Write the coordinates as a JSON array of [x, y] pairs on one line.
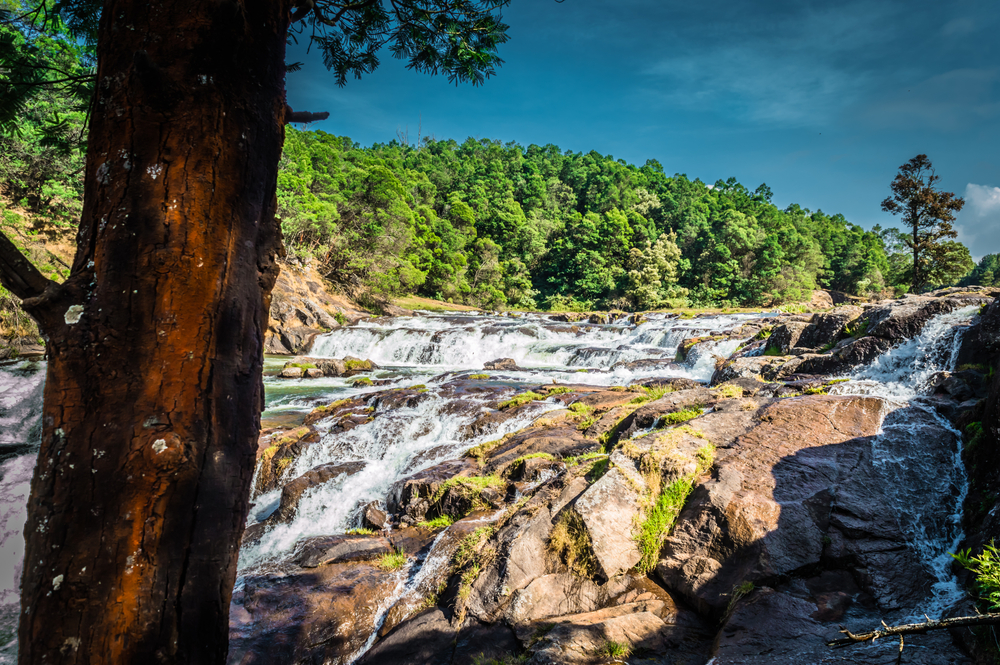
[[154, 389]]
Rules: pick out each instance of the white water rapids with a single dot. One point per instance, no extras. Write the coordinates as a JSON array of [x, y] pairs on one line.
[[433, 349]]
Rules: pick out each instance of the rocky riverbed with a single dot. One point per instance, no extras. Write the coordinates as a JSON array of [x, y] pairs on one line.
[[643, 489], [732, 489]]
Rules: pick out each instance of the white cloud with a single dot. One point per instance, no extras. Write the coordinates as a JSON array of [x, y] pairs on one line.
[[978, 223]]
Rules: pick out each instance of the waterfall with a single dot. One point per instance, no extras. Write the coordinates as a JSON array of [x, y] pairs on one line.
[[21, 385], [918, 452]]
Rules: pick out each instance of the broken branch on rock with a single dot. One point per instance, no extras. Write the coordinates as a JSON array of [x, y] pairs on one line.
[[915, 628]]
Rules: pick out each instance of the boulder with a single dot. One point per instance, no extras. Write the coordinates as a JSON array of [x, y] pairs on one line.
[[896, 320], [801, 491], [320, 615], [314, 373], [411, 496], [609, 509], [373, 517], [825, 329], [291, 373], [505, 364], [426, 639], [325, 550], [786, 336], [820, 300]]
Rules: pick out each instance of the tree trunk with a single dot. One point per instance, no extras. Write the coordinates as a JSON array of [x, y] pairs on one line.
[[154, 390]]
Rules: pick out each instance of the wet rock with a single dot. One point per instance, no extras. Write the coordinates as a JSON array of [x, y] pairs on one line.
[[800, 483], [637, 319], [291, 373], [648, 364], [568, 317], [786, 336], [648, 414], [276, 451], [326, 550], [599, 318], [319, 615], [578, 639], [505, 364], [825, 329], [292, 493], [843, 358], [751, 367], [426, 638], [411, 496], [373, 517], [897, 320]]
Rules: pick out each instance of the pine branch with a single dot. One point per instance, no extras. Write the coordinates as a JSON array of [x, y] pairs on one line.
[[914, 628]]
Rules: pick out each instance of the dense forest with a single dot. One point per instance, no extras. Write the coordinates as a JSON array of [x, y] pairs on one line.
[[482, 222]]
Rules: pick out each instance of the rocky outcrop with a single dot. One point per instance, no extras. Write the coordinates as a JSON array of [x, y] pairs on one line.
[[303, 307], [315, 368]]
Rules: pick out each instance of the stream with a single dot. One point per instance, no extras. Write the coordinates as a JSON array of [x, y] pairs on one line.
[[430, 350]]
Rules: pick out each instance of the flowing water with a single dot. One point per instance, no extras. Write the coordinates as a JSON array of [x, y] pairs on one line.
[[917, 451], [21, 385]]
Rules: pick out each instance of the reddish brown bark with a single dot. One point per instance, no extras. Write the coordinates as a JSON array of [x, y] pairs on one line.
[[154, 388]]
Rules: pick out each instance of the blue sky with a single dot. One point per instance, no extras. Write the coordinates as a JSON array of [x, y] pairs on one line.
[[823, 101]]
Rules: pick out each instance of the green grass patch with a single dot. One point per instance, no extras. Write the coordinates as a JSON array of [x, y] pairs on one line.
[[617, 389], [833, 381], [470, 546], [392, 560], [442, 522], [558, 390], [521, 399], [479, 377], [660, 518], [727, 391], [570, 541], [580, 407], [360, 531], [977, 367], [580, 459], [364, 381], [650, 394], [614, 650], [301, 365], [678, 417], [857, 328], [470, 486], [773, 351], [340, 318], [818, 390], [597, 469]]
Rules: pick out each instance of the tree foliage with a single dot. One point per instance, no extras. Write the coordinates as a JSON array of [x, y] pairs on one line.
[[927, 214], [496, 224]]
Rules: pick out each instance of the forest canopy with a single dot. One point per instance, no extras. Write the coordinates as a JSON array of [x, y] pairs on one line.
[[486, 223], [493, 225]]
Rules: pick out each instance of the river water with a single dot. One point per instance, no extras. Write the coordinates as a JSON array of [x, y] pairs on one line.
[[431, 350]]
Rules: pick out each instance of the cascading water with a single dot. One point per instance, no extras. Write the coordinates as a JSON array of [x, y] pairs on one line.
[[21, 385], [918, 452]]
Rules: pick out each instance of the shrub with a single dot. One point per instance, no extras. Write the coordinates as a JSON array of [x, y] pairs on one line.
[[986, 568], [340, 318]]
